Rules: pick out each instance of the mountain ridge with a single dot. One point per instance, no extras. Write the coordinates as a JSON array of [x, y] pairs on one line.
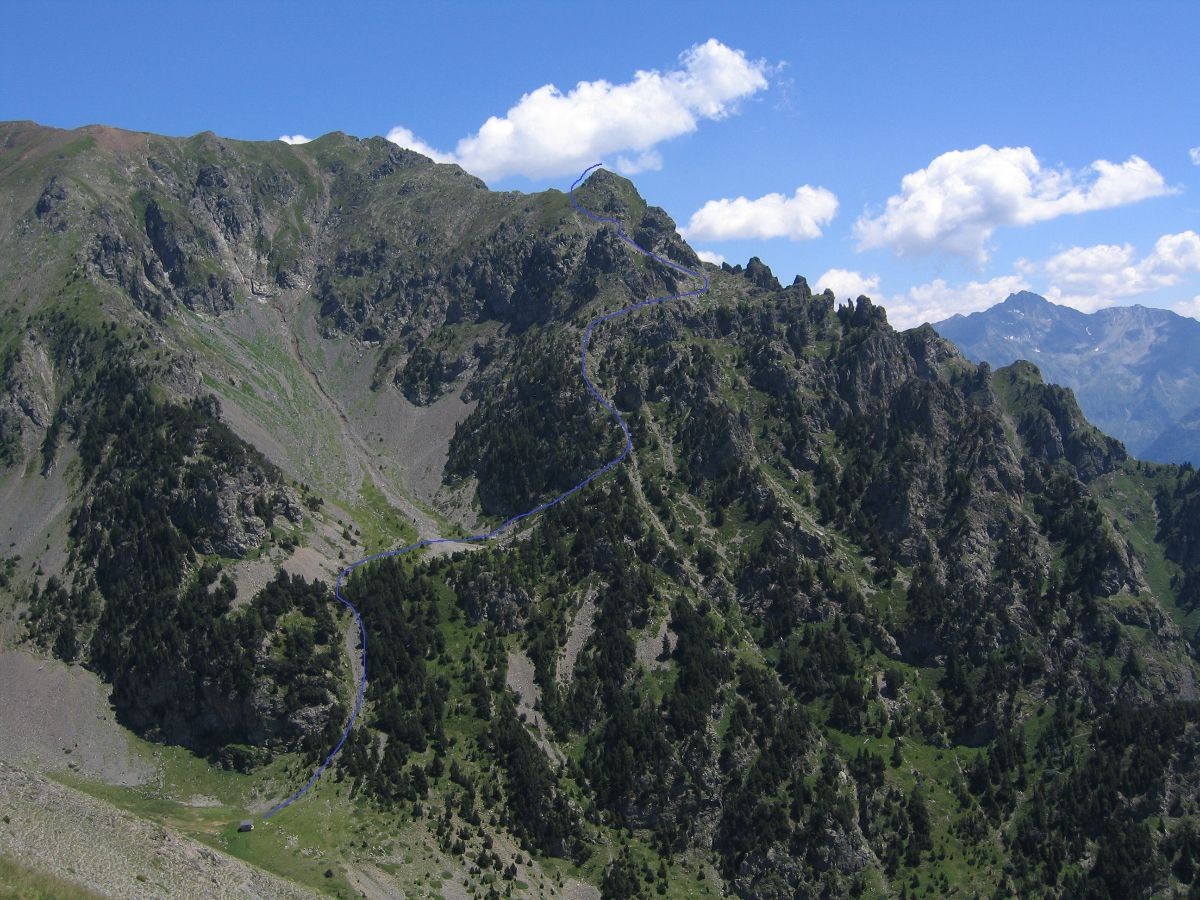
[[857, 617], [1136, 375]]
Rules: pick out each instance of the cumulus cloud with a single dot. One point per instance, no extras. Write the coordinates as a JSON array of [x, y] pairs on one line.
[[550, 133], [294, 139], [955, 204], [1194, 153], [798, 217], [849, 285], [936, 300], [1089, 278], [709, 257]]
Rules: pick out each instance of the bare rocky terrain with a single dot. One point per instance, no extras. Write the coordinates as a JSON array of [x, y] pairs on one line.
[[520, 681], [57, 717], [649, 648], [582, 625], [53, 828], [33, 516]]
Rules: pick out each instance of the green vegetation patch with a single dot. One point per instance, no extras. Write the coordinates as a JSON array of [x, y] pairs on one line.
[[20, 882]]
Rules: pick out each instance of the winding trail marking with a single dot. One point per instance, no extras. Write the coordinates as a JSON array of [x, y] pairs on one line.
[[587, 337]]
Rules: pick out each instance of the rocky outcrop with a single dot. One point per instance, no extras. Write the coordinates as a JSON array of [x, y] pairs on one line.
[[759, 274], [778, 873], [271, 689], [493, 599], [1051, 424], [234, 510], [27, 398]]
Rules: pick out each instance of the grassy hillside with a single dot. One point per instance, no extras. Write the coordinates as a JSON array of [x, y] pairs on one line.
[[18, 882]]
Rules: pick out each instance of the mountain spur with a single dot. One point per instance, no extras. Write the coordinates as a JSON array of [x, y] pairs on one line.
[[487, 536]]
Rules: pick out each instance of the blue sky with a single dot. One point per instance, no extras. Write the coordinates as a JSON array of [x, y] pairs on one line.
[[1045, 145]]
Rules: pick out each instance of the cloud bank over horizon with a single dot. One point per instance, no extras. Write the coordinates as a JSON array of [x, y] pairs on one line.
[[1090, 278], [1084, 278]]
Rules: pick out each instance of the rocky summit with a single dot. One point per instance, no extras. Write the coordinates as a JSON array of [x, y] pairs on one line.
[[857, 617]]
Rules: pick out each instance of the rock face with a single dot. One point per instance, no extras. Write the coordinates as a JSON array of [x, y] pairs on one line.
[[27, 398], [487, 598], [1134, 369], [238, 686], [237, 510], [759, 274]]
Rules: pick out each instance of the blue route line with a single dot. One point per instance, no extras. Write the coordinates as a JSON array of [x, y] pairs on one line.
[[587, 336]]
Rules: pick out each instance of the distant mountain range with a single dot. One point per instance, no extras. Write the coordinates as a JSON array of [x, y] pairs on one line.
[[1135, 370]]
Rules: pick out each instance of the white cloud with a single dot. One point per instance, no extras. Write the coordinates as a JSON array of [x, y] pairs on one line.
[[1188, 307], [294, 139], [848, 285], [709, 257], [550, 133], [798, 217], [956, 203], [1089, 278], [1194, 153]]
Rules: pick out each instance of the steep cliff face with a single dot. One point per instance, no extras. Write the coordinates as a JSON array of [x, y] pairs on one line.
[[853, 607], [27, 404]]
